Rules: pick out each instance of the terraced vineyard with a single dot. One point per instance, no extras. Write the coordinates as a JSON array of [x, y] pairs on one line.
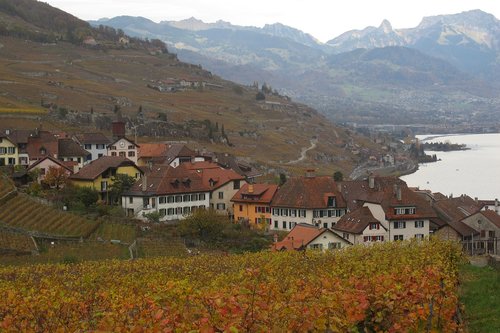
[[26, 214], [6, 186], [15, 243], [151, 248], [116, 231]]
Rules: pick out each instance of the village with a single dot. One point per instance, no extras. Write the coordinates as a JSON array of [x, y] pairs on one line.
[[169, 181]]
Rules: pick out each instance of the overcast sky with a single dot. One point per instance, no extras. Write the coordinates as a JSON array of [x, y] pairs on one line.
[[324, 19]]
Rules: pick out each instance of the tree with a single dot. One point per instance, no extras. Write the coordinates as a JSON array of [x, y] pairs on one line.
[[121, 183], [153, 217], [202, 224], [260, 96], [87, 196], [338, 176], [282, 179], [55, 177]]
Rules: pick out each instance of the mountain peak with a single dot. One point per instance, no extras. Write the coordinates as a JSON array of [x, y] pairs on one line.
[[385, 26]]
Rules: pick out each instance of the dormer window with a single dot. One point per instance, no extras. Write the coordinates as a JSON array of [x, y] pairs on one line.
[[404, 211], [331, 201], [43, 151]]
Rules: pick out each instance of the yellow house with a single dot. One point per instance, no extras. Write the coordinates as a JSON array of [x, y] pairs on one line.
[[99, 174], [9, 154], [252, 204]]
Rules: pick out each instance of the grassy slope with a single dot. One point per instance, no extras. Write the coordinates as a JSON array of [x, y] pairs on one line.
[[92, 78], [480, 293]]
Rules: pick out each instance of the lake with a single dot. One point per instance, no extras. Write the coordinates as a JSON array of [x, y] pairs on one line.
[[475, 172]]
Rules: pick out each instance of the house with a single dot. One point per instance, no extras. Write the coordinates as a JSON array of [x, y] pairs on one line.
[[360, 226], [94, 143], [70, 151], [123, 147], [9, 154], [151, 153], [313, 200], [306, 236], [172, 192], [455, 231], [487, 224], [252, 204], [20, 139], [222, 184], [404, 213], [178, 153], [40, 145], [99, 174], [42, 166]]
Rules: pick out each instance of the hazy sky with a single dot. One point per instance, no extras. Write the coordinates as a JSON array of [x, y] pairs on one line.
[[324, 19]]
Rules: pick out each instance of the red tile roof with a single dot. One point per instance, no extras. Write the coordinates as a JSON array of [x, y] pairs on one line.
[[357, 221], [462, 228], [300, 236], [69, 148], [385, 192], [43, 141], [55, 161], [492, 217], [152, 150], [95, 168], [308, 192], [455, 209], [164, 180], [92, 138], [261, 193]]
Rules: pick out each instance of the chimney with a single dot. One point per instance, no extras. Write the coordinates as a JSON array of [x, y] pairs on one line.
[[310, 173], [7, 131], [398, 193], [475, 200], [250, 188], [371, 181], [496, 205], [144, 183], [339, 187]]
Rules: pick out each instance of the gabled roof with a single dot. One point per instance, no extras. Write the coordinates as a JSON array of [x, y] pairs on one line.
[[18, 136], [69, 148], [256, 193], [461, 228], [455, 209], [92, 138], [95, 168], [389, 193], [178, 150], [357, 221], [53, 160], [43, 140], [124, 138], [302, 235], [165, 180], [152, 150], [213, 175], [308, 193], [491, 216]]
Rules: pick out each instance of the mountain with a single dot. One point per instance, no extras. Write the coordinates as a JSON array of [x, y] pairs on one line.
[[85, 82], [375, 75]]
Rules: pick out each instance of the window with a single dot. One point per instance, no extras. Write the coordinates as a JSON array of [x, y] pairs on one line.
[[162, 200], [11, 161], [302, 213], [241, 208], [130, 147], [194, 197], [112, 148], [130, 199], [317, 246], [11, 150], [419, 236], [331, 201], [100, 155], [398, 237], [236, 185], [276, 211], [374, 226], [186, 210], [201, 196], [104, 185], [163, 212], [335, 245], [325, 225], [3, 151], [186, 197], [221, 206], [378, 238], [131, 153], [291, 225], [178, 198], [122, 154], [87, 146], [275, 224], [419, 224], [345, 235], [491, 234], [399, 224], [404, 210], [113, 153], [42, 171], [170, 211], [170, 199], [483, 233], [221, 195], [99, 146], [178, 210], [284, 225]]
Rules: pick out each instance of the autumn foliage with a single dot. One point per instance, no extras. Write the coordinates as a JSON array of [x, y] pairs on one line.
[[391, 287]]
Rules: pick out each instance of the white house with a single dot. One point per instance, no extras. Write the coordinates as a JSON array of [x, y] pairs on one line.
[[94, 143], [123, 147], [306, 236]]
